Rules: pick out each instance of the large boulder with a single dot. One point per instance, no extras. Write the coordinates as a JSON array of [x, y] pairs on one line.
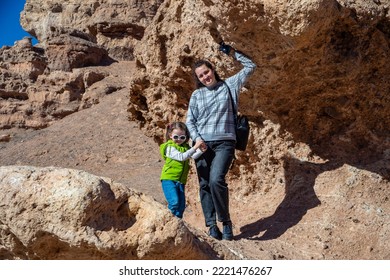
[[52, 213]]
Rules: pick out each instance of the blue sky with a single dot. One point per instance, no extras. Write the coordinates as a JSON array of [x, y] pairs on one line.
[[11, 30]]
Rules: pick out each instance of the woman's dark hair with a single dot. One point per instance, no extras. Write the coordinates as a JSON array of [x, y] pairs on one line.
[[199, 63], [177, 125]]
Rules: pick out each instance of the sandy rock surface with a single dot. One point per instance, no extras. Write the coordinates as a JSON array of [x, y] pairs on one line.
[[57, 213]]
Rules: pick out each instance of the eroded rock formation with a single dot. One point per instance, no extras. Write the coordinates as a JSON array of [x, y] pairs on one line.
[[114, 25], [318, 102]]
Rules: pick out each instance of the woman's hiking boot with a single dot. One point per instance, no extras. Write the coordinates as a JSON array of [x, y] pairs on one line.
[[215, 232], [227, 232]]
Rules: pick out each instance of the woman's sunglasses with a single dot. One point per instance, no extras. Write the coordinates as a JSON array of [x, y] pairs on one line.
[[179, 137]]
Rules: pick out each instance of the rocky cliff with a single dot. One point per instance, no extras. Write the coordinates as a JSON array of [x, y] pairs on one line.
[[314, 182]]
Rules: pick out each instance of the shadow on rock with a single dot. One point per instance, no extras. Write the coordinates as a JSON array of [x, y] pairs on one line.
[[299, 198]]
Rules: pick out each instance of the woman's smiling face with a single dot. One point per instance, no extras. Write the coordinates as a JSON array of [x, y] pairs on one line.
[[205, 75]]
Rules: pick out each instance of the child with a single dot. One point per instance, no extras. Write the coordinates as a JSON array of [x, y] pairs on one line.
[[176, 153]]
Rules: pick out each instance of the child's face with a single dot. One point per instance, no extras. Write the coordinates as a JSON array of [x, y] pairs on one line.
[[178, 136]]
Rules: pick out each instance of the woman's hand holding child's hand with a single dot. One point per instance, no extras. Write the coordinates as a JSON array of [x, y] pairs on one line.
[[203, 147], [200, 147], [198, 144]]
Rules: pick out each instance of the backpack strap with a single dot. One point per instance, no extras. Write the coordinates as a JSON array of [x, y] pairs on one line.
[[232, 102]]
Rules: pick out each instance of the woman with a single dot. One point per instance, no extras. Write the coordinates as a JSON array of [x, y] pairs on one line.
[[210, 120]]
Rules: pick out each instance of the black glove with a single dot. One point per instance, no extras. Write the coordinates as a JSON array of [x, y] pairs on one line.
[[224, 48]]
